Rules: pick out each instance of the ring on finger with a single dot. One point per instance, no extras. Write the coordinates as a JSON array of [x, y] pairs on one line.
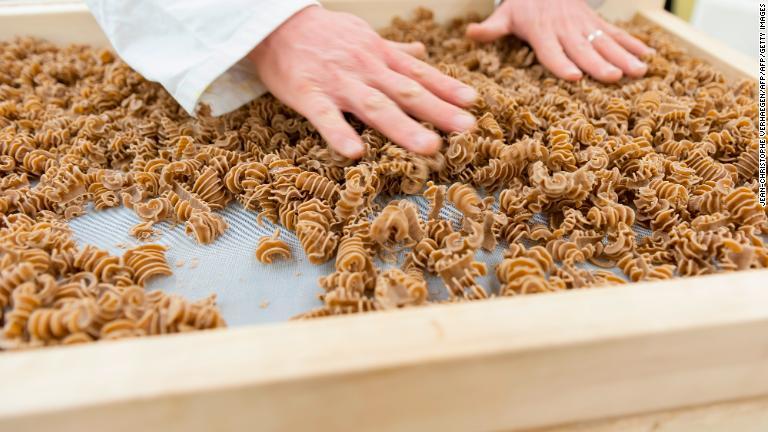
[[594, 35]]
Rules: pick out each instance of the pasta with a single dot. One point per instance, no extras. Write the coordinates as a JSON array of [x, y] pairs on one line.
[[205, 226], [674, 152], [53, 292], [146, 261], [395, 288], [271, 248]]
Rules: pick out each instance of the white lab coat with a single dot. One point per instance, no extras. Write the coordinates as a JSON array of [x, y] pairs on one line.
[[194, 48]]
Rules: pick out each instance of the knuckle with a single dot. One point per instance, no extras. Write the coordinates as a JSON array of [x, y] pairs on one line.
[[306, 85], [378, 44], [581, 45], [376, 101], [615, 33], [419, 70], [409, 90], [360, 59], [324, 113], [333, 82]]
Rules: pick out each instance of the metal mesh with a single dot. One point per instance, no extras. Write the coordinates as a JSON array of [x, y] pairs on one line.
[[248, 292]]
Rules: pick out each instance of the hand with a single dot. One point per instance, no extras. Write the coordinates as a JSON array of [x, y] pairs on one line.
[[323, 63], [558, 29]]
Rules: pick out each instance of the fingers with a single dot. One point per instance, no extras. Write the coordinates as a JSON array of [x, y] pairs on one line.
[[550, 53], [379, 112], [416, 100], [323, 113], [416, 49], [629, 42], [619, 57], [588, 59], [495, 26], [449, 89]]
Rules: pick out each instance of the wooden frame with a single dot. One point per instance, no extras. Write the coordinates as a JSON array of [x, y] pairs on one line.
[[514, 363]]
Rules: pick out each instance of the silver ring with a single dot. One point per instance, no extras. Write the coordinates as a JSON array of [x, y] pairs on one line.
[[594, 35]]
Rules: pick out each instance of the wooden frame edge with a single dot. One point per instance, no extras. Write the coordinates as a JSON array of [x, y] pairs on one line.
[[734, 64], [743, 415], [539, 361], [344, 369]]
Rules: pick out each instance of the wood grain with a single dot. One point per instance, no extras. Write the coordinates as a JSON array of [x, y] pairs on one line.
[[520, 362], [733, 64], [515, 363], [749, 415]]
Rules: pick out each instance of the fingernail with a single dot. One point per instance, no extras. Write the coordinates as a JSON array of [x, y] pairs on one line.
[[463, 121], [427, 141], [422, 50], [638, 65], [612, 71], [574, 73], [467, 95], [350, 148]]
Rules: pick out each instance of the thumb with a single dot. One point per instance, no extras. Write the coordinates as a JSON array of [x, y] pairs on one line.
[[494, 27]]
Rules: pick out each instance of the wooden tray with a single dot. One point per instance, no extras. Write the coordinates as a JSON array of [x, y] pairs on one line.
[[640, 353]]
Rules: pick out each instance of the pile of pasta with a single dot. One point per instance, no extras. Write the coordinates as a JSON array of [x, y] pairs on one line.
[[675, 152], [52, 292]]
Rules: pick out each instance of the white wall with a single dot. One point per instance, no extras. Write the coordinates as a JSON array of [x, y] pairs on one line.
[[734, 22]]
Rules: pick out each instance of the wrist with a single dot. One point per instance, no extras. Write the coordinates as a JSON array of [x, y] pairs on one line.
[[286, 27]]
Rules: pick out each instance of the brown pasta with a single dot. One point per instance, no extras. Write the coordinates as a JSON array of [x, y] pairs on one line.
[[53, 292], [205, 226], [271, 248], [146, 261], [465, 198], [674, 152], [313, 229], [395, 288], [143, 230]]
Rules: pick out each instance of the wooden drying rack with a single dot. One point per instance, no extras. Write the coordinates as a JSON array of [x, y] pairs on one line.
[[680, 355]]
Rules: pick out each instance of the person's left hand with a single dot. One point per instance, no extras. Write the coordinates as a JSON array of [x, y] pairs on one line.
[[558, 31]]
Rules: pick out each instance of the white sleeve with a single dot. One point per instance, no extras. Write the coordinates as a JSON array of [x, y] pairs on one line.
[[594, 4], [194, 48]]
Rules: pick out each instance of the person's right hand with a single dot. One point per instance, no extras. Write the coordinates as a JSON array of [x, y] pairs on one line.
[[323, 63]]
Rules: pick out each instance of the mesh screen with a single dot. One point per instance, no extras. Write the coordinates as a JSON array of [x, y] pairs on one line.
[[249, 292]]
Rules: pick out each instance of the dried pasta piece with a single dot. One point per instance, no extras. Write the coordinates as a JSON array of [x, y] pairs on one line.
[[25, 301], [352, 197], [103, 197], [205, 226], [46, 324], [271, 248], [640, 268], [146, 261], [154, 210], [391, 226], [317, 186], [465, 198], [455, 265], [743, 207], [314, 230], [521, 276], [144, 231], [396, 289], [210, 188]]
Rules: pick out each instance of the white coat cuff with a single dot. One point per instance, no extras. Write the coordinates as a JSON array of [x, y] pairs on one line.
[[592, 3], [224, 80]]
